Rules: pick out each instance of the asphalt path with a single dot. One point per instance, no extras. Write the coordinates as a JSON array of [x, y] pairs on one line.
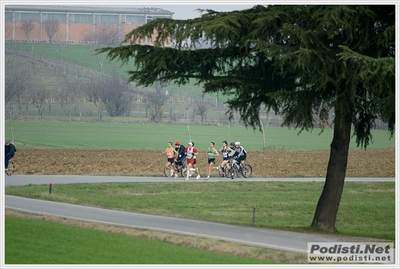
[[268, 238]]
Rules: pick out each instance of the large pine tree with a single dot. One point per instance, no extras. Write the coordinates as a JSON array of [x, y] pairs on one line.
[[299, 61]]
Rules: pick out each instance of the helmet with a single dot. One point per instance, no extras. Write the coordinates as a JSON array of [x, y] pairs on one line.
[[177, 143], [237, 143], [232, 144]]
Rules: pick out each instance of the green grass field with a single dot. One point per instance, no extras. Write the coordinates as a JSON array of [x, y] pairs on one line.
[[366, 209], [156, 136], [40, 242]]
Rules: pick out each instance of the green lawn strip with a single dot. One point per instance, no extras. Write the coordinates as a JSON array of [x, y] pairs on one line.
[[39, 242], [366, 209], [155, 136]]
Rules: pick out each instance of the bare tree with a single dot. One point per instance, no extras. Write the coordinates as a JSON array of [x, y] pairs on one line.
[[18, 77], [51, 26], [107, 34], [27, 27], [188, 104], [104, 35], [96, 94], [118, 94], [263, 129], [201, 106], [66, 99], [155, 100], [60, 48], [39, 97]]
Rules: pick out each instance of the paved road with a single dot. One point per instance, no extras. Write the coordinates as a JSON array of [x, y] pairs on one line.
[[59, 179], [269, 238]]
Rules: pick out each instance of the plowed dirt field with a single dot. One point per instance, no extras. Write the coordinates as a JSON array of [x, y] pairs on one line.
[[134, 162]]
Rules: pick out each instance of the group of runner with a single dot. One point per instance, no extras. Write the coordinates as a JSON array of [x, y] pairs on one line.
[[179, 154]]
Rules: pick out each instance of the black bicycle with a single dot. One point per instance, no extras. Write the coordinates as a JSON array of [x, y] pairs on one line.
[[244, 170], [177, 166]]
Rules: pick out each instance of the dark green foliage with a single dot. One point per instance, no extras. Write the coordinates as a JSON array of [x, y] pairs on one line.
[[299, 61]]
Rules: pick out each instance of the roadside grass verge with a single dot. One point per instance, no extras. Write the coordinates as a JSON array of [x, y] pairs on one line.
[[366, 209], [31, 241]]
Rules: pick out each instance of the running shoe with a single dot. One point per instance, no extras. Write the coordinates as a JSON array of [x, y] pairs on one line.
[[232, 175], [187, 178], [207, 178], [219, 167], [198, 177], [176, 176]]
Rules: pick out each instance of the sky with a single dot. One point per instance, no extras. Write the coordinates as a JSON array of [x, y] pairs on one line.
[[182, 9]]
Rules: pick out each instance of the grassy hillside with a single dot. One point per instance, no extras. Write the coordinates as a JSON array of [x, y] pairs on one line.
[[41, 56], [82, 55]]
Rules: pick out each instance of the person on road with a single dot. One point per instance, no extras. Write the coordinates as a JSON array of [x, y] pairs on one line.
[[9, 151], [226, 155], [238, 156], [180, 160], [212, 152], [170, 152], [191, 153]]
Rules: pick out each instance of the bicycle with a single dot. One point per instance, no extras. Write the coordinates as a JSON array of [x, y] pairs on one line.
[[177, 166], [10, 169], [244, 169]]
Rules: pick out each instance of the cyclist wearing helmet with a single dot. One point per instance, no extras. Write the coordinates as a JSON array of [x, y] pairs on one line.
[[232, 145], [240, 153]]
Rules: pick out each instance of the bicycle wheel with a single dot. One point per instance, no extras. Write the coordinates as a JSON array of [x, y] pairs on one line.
[[167, 172], [233, 172], [247, 170]]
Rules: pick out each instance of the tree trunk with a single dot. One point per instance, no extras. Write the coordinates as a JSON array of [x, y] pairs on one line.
[[328, 204]]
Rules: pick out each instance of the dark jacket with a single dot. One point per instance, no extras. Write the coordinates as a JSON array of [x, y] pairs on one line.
[[239, 152], [9, 150], [181, 151]]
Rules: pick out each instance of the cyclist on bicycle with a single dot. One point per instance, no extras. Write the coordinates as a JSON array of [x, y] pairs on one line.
[[180, 159], [239, 155], [9, 151]]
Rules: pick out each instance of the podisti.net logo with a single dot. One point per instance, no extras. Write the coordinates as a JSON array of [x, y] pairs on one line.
[[349, 252]]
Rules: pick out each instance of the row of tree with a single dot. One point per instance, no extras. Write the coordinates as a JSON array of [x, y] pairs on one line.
[[104, 34], [67, 84]]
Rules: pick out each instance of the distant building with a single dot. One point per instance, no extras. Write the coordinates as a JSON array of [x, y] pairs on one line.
[[75, 24]]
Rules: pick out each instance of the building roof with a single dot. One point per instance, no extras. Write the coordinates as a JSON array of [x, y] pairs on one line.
[[90, 9]]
